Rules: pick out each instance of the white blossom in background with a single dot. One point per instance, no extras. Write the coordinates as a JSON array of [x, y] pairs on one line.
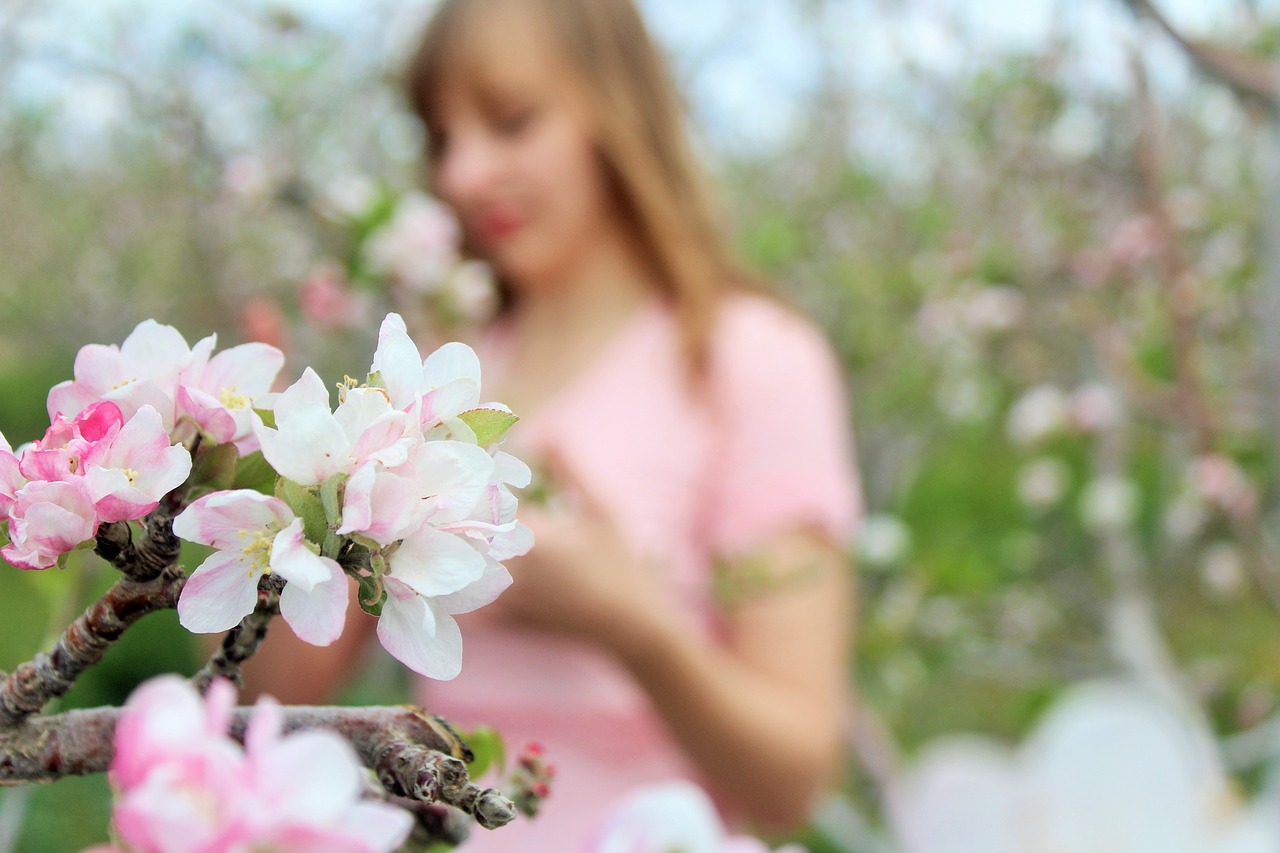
[[1108, 504], [348, 197], [1223, 574], [1095, 407], [1040, 413], [883, 539], [418, 248], [1110, 768], [1043, 482]]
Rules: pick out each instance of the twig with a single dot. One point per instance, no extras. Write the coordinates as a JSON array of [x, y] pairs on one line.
[[1251, 77], [242, 641], [415, 755], [142, 560], [51, 674]]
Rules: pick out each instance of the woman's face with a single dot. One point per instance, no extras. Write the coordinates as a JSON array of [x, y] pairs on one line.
[[513, 155]]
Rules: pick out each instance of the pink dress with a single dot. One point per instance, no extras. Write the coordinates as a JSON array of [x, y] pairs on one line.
[[763, 449]]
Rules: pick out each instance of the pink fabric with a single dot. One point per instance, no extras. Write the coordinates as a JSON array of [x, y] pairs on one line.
[[688, 476]]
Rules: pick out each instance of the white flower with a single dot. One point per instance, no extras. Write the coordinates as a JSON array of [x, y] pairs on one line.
[[1042, 482], [1109, 503], [1109, 769], [883, 539], [1038, 414]]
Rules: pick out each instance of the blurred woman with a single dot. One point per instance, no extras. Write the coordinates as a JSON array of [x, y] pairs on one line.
[[685, 612]]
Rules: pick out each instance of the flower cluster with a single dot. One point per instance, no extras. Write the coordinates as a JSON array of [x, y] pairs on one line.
[[109, 453], [402, 485], [183, 785]]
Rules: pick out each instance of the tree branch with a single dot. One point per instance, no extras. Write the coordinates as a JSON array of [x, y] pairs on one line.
[[51, 674], [1253, 78], [415, 755], [242, 641]]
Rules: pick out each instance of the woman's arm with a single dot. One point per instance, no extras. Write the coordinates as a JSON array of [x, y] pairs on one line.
[[761, 714]]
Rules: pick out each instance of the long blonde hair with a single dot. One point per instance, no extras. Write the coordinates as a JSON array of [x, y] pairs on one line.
[[642, 141]]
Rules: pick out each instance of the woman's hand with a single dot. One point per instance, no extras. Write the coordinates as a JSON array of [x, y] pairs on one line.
[[581, 578]]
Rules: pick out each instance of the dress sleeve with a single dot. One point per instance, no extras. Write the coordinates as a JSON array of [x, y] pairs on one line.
[[784, 458]]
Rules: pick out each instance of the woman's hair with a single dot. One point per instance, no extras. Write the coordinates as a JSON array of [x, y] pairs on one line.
[[641, 139]]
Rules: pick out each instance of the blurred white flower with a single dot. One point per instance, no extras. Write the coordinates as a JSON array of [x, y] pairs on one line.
[[348, 197], [883, 539], [1077, 134], [1109, 503], [247, 178], [1222, 571], [941, 617], [418, 247], [993, 308], [1039, 413], [965, 399], [1042, 482], [1186, 207], [1095, 407], [473, 291], [1185, 516], [1110, 769]]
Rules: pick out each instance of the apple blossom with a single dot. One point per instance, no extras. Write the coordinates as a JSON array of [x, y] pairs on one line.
[[218, 394], [183, 785], [1110, 768], [62, 453], [418, 247], [48, 518], [666, 817], [311, 443], [129, 474], [11, 478], [141, 371], [255, 534]]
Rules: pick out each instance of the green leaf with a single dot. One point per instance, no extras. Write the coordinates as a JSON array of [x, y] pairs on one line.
[[488, 748], [268, 417], [489, 425], [214, 466], [254, 472], [305, 505]]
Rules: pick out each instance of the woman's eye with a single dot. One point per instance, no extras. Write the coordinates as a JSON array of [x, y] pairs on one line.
[[515, 122]]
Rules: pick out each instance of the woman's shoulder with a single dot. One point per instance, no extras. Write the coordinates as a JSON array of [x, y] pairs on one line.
[[755, 333]]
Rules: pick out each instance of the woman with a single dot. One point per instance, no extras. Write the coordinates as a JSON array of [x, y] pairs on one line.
[[689, 430]]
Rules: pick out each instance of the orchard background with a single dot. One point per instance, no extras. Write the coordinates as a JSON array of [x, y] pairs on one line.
[[1042, 242]]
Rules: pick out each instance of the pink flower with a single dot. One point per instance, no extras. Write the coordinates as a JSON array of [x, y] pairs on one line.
[[67, 445], [255, 534], [184, 786], [11, 478], [261, 319], [445, 383], [48, 519], [141, 371], [129, 474], [218, 393], [328, 301], [418, 247]]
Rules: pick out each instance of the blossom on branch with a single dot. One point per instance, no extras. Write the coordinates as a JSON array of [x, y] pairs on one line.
[[255, 535], [183, 785]]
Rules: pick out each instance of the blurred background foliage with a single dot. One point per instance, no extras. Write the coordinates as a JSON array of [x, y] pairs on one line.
[[1041, 263]]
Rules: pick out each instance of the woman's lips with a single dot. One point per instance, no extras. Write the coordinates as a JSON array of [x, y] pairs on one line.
[[497, 226]]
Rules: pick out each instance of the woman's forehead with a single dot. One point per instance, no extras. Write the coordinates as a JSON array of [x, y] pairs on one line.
[[503, 55]]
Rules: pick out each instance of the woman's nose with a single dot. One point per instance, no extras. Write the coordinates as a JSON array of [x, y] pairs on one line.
[[467, 169]]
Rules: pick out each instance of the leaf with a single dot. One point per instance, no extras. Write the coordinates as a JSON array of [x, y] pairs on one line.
[[489, 425], [254, 472], [214, 466], [268, 417], [305, 505], [488, 748]]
